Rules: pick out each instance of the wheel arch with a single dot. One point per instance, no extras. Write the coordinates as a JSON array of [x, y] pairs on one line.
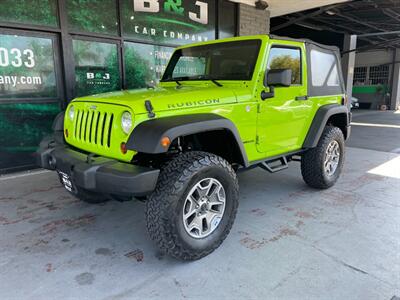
[[146, 137], [221, 142], [333, 114]]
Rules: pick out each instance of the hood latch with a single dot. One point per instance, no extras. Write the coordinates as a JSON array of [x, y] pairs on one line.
[[149, 109]]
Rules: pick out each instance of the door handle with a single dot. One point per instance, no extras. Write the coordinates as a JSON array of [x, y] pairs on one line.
[[301, 98]]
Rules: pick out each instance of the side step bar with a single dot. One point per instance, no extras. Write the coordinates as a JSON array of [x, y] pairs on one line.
[[275, 164]]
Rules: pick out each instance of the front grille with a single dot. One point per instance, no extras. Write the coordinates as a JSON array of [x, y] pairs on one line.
[[93, 127]]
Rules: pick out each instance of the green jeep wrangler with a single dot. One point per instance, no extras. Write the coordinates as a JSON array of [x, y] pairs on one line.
[[221, 107]]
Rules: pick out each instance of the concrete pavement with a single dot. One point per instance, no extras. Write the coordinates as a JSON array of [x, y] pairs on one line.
[[376, 130], [288, 242]]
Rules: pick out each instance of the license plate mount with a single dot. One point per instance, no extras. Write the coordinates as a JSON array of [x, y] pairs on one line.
[[67, 182]]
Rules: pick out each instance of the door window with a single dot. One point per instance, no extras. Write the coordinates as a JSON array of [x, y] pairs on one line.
[[286, 58]]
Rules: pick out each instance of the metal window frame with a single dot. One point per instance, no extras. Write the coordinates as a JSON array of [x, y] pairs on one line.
[[379, 74], [277, 45], [364, 79]]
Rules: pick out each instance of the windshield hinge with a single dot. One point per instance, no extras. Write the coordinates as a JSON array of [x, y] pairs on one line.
[[149, 109]]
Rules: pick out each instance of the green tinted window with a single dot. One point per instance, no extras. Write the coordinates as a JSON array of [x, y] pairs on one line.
[[22, 127], [172, 22], [36, 12], [145, 64], [96, 67], [27, 67], [99, 16]]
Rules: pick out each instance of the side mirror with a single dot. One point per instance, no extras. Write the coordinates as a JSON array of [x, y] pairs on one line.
[[278, 77]]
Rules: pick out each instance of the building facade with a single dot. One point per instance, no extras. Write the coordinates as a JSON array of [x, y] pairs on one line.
[[53, 51], [373, 83]]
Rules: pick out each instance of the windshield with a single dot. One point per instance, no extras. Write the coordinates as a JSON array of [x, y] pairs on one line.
[[222, 61]]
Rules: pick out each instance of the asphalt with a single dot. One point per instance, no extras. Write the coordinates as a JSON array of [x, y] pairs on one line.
[[288, 241], [376, 130]]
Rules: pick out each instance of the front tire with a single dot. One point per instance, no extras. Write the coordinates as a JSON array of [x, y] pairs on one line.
[[321, 166], [194, 205]]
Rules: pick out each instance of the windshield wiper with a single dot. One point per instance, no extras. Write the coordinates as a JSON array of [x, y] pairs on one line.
[[216, 82], [202, 77]]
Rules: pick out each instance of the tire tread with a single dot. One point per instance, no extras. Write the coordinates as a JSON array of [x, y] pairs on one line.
[[159, 207], [312, 159]]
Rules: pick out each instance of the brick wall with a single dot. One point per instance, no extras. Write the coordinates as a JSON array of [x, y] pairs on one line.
[[252, 20]]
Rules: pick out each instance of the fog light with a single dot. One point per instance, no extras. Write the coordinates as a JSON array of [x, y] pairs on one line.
[[123, 148]]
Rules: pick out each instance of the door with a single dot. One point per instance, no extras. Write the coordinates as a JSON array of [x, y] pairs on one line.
[[282, 119]]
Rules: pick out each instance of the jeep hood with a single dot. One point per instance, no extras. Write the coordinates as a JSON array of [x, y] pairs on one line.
[[166, 98]]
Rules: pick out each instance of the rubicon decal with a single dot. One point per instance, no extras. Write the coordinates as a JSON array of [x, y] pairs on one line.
[[193, 103]]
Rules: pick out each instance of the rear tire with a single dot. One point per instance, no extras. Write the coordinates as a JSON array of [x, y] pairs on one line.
[[194, 205], [321, 166]]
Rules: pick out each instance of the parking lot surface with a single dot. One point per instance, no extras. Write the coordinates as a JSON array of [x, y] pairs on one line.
[[288, 241]]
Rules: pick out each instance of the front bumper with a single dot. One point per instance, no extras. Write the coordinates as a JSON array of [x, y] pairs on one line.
[[97, 174]]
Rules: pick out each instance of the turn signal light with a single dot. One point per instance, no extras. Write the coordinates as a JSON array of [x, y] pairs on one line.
[[66, 132], [123, 148], [165, 142]]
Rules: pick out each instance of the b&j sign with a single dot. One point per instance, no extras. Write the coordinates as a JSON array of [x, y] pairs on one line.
[[170, 21]]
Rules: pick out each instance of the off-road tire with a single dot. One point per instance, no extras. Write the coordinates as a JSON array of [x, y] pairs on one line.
[[90, 197], [164, 208], [312, 161]]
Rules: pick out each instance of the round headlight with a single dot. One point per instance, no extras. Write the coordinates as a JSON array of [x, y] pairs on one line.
[[126, 122], [71, 112]]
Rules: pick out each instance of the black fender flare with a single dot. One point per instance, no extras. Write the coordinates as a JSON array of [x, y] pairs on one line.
[[320, 120], [146, 137], [58, 128], [58, 123]]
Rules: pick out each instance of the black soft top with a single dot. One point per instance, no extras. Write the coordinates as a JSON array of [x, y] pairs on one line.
[[325, 88], [306, 41]]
